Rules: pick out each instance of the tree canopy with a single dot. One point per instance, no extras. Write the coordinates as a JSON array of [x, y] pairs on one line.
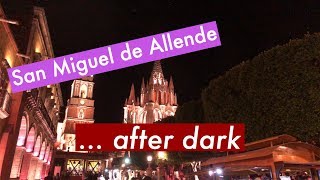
[[190, 112], [276, 92]]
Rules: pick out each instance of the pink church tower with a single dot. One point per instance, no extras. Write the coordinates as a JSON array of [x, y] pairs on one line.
[[157, 99]]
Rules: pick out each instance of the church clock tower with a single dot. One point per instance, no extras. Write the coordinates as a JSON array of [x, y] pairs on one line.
[[79, 110]]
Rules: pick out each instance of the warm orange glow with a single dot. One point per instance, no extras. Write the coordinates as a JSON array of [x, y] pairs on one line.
[[162, 155], [9, 89], [9, 58], [75, 165], [93, 166], [37, 47]]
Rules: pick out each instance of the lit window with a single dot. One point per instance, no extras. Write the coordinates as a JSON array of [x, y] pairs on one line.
[[83, 91]]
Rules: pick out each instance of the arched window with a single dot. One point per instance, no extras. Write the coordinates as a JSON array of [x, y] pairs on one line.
[[133, 116], [157, 115], [23, 132], [76, 90], [31, 140], [90, 92], [37, 146], [83, 91], [144, 117], [43, 150]]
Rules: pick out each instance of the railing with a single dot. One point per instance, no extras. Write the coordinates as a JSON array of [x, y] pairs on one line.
[[45, 114], [41, 107], [5, 103]]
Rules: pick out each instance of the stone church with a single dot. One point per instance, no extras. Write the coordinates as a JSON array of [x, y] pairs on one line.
[[157, 99]]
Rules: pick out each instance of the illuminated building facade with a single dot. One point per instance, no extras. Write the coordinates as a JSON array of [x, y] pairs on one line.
[[28, 120], [157, 99]]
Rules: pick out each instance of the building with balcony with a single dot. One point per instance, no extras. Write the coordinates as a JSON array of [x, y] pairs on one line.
[[28, 120]]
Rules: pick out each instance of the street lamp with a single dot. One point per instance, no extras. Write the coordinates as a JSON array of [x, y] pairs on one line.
[[211, 173], [162, 155], [218, 172], [149, 171], [127, 160]]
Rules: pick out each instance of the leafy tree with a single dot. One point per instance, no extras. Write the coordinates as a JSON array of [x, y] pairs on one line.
[[276, 92], [190, 112]]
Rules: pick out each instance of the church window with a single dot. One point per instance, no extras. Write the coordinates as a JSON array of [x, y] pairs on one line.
[[133, 117], [90, 92], [154, 80], [83, 91], [157, 115], [81, 114], [144, 117], [76, 90]]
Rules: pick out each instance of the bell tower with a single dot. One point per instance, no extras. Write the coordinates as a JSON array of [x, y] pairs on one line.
[[79, 110]]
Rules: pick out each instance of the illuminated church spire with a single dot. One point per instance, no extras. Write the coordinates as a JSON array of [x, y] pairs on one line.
[[157, 99], [132, 97], [171, 86], [143, 86], [157, 68]]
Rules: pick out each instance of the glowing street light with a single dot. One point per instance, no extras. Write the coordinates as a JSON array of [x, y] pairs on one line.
[[127, 160], [162, 155], [211, 173], [149, 170], [219, 171]]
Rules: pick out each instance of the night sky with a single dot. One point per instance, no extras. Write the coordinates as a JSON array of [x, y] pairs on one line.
[[246, 29]]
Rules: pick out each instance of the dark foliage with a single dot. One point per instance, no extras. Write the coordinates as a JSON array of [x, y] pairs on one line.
[[277, 92]]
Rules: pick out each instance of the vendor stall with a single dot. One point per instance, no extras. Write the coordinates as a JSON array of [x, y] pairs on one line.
[[280, 157]]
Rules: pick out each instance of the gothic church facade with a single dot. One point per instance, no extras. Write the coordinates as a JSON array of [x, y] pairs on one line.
[[157, 99]]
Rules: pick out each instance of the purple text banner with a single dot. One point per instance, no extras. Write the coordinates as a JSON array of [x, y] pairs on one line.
[[113, 57]]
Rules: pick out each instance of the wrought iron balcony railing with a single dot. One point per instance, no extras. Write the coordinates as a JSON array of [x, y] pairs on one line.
[[45, 114], [40, 107], [5, 103]]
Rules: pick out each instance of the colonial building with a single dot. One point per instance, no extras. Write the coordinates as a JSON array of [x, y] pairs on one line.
[[28, 119], [156, 101], [79, 110]]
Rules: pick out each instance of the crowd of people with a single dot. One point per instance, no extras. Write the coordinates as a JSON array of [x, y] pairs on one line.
[[91, 176], [295, 176], [66, 176]]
